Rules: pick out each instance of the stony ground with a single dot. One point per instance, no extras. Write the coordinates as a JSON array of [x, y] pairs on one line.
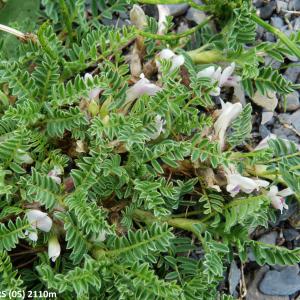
[[277, 116]]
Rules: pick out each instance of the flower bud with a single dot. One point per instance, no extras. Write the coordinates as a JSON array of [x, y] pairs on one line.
[[53, 248], [138, 17]]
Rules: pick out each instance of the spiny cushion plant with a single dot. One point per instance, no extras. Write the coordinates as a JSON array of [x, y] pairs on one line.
[[118, 158]]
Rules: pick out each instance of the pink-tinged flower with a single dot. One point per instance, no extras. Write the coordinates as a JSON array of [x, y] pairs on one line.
[[176, 60], [39, 219], [138, 17], [140, 88], [54, 174], [229, 112], [237, 183], [278, 197], [94, 93], [53, 248], [159, 124], [222, 78]]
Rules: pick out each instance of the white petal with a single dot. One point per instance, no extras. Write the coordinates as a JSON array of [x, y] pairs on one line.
[[262, 183], [166, 54], [286, 192], [25, 158], [34, 214], [138, 17], [273, 191], [227, 72], [228, 114], [33, 236], [53, 248], [142, 87], [215, 92], [177, 61], [163, 12], [207, 72], [277, 203], [88, 76], [217, 75]]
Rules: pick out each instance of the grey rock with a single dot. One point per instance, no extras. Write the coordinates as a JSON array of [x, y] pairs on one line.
[[269, 238], [295, 120], [266, 11], [275, 64], [294, 5], [284, 118], [269, 101], [234, 277], [292, 73], [258, 3], [287, 213], [176, 9], [277, 22], [267, 117], [286, 133], [290, 234], [292, 101], [260, 32], [281, 283], [195, 15], [264, 131], [281, 5], [270, 37], [253, 292], [297, 24]]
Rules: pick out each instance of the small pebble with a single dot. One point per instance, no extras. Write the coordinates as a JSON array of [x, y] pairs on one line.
[[269, 101], [277, 22], [292, 73], [266, 11], [290, 234], [281, 283], [266, 117], [195, 15], [234, 277], [292, 101], [270, 37], [295, 120], [281, 5]]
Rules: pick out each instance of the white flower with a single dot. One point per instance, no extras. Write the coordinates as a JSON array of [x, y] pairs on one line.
[[53, 248], [277, 197], [229, 112], [177, 60], [94, 93], [236, 183], [163, 13], [140, 88], [54, 174], [32, 235], [224, 78], [159, 124], [138, 17], [39, 219]]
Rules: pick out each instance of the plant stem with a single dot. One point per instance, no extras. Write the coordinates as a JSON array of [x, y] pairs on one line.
[[290, 44], [23, 36], [181, 223], [170, 37]]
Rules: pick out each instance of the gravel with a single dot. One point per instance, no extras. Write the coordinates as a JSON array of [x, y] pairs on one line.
[[292, 101], [266, 11], [281, 283], [292, 73]]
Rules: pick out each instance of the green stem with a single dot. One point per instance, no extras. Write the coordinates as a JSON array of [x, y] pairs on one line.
[[290, 44], [181, 223], [170, 37]]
